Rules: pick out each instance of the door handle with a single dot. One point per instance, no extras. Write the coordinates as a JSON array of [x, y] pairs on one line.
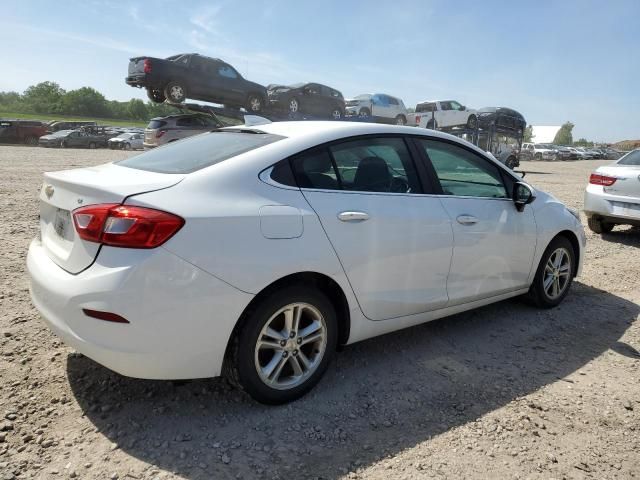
[[467, 220], [353, 216]]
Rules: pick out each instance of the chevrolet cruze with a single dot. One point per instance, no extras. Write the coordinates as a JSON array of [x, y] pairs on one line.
[[255, 251]]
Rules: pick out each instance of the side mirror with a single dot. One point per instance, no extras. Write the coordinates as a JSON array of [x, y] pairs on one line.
[[463, 108], [523, 195]]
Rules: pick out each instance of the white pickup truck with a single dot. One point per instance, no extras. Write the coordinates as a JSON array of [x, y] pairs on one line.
[[442, 113]]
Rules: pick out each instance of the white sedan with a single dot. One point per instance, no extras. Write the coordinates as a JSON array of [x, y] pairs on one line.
[[258, 250], [613, 194]]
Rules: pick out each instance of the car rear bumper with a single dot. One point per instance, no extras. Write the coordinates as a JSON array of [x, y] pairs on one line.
[[180, 317], [137, 81], [613, 208]]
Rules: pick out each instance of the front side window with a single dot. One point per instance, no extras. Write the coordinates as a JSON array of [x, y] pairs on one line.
[[464, 173], [455, 106], [227, 71], [445, 106]]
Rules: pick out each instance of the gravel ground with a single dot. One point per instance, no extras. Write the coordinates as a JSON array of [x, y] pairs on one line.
[[506, 391]]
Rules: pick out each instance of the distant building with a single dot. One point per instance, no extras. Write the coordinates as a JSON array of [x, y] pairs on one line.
[[544, 133]]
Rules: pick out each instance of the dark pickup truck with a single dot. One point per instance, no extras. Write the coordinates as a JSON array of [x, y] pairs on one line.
[[21, 131], [86, 137], [195, 76]]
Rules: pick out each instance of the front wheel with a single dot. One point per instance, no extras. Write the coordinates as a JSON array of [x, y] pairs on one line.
[[364, 113], [156, 95], [554, 275], [285, 345], [294, 105], [472, 122], [336, 113], [598, 226]]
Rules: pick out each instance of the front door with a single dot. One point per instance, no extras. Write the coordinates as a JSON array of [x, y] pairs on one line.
[[393, 241], [494, 244]]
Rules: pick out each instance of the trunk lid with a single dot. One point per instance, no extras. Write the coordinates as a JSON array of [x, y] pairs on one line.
[[628, 183], [63, 192]]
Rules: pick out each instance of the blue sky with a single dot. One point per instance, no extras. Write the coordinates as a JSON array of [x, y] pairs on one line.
[[553, 61]]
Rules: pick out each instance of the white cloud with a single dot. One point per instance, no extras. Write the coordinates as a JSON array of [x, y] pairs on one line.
[[207, 19]]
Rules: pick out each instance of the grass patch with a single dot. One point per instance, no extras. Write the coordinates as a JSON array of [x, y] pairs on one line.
[[47, 117]]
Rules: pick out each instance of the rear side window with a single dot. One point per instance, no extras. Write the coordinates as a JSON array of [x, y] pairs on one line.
[[153, 124], [367, 165], [198, 152], [631, 158]]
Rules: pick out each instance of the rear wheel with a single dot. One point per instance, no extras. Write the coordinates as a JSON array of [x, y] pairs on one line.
[[175, 92], [92, 145], [156, 95], [285, 345], [598, 226], [401, 120], [294, 105], [554, 275], [364, 112]]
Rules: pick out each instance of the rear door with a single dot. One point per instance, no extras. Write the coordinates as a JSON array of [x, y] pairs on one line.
[[493, 242], [394, 241]]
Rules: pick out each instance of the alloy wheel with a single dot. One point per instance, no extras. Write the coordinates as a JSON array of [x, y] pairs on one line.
[[336, 114], [293, 106], [557, 273], [290, 346]]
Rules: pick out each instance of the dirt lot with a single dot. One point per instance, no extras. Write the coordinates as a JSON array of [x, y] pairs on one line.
[[506, 391]]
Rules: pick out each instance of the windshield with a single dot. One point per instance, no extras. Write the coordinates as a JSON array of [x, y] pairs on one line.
[[198, 152], [631, 158]]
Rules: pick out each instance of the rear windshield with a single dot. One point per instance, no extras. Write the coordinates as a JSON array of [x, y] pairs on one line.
[[631, 158], [198, 152], [153, 124]]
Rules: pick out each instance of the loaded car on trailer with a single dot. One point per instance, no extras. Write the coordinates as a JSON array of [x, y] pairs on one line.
[[307, 99], [195, 76], [442, 113], [381, 107]]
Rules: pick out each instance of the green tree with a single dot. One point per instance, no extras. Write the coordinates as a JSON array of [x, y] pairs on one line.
[[85, 101], [528, 135], [11, 101], [583, 142], [136, 109], [45, 97], [564, 135]]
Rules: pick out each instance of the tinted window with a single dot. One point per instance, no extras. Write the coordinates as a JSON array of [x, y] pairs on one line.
[[283, 174], [187, 122], [426, 107], [464, 173], [198, 152], [153, 124], [392, 101], [227, 71], [445, 105], [313, 169], [631, 158], [376, 165]]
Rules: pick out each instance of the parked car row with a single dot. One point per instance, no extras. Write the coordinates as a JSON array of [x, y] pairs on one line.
[[551, 152], [93, 136]]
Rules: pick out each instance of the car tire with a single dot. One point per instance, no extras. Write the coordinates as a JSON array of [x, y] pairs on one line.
[[598, 226], [336, 113], [255, 104], [472, 122], [554, 274], [275, 372], [175, 92], [293, 105], [156, 95], [537, 156], [64, 144], [401, 120], [92, 145], [127, 146], [432, 124], [364, 112]]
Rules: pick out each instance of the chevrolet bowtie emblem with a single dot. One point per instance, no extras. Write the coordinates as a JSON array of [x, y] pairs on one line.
[[48, 191]]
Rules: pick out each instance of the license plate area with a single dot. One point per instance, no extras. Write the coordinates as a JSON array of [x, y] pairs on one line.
[[626, 209], [62, 223]]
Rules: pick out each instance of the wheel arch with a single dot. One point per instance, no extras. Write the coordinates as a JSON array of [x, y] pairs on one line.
[[323, 282], [575, 243]]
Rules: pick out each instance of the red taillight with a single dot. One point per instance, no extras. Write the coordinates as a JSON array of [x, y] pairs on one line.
[[160, 133], [147, 65], [125, 226], [604, 180], [417, 119]]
